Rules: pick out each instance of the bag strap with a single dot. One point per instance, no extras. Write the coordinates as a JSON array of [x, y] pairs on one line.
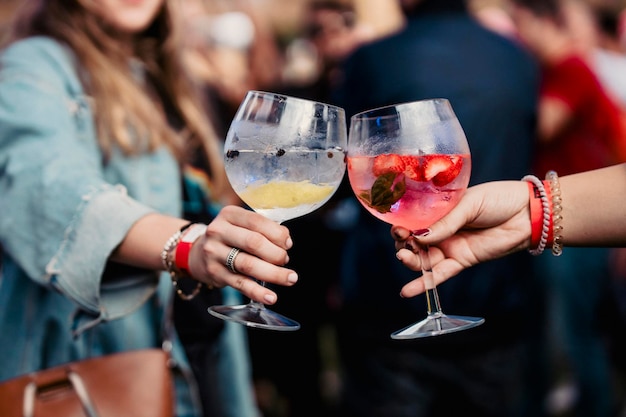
[[76, 382], [168, 329]]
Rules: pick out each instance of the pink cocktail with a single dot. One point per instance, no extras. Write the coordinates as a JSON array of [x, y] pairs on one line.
[[409, 191], [409, 164]]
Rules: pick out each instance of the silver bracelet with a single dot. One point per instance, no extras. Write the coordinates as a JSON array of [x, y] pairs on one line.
[[170, 245]]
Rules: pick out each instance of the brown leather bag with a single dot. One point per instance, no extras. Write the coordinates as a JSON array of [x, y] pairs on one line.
[[128, 384]]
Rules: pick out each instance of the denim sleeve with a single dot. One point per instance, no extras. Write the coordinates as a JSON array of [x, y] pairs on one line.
[[59, 218]]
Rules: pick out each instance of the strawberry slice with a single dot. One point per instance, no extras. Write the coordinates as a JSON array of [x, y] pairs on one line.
[[386, 163], [442, 169], [413, 167]]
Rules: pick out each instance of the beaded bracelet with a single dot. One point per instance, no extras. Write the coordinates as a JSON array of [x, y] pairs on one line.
[[546, 219], [546, 186], [168, 256], [169, 246], [557, 208]]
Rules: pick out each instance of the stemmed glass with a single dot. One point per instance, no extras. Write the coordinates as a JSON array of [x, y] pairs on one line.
[[284, 157], [409, 164]]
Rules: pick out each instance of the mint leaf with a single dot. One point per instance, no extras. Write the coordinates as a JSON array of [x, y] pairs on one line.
[[385, 192]]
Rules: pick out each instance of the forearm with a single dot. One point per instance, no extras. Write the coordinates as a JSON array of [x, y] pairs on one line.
[[594, 207], [144, 242]]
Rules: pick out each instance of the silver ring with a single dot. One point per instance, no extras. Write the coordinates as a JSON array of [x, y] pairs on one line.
[[230, 260]]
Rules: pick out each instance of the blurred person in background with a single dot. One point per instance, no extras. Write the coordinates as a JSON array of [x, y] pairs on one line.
[[493, 15], [492, 84], [230, 48], [580, 128], [7, 9], [330, 34], [595, 25], [610, 56]]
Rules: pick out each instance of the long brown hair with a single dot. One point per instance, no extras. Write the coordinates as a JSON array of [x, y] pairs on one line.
[[134, 116]]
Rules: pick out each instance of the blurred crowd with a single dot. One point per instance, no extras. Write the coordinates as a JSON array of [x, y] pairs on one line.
[[315, 48]]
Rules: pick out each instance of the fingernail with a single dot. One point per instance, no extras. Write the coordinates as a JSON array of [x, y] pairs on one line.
[[292, 278], [398, 256], [401, 296], [270, 298], [289, 243], [421, 232]]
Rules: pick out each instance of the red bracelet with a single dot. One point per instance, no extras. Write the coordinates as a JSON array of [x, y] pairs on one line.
[[536, 215], [189, 236]]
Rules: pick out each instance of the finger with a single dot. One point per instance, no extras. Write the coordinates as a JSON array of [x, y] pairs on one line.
[[249, 241], [443, 228], [250, 271], [249, 220], [409, 259], [254, 290], [441, 273], [409, 256], [462, 214], [400, 233], [418, 286], [413, 288], [403, 238], [251, 266]]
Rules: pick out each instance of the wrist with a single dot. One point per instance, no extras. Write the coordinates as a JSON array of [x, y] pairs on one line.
[[545, 214], [176, 257]]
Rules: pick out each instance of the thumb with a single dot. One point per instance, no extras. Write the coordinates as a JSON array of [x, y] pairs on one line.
[[446, 226]]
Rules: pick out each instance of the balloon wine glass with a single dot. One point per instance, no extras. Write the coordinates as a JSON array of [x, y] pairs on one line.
[[409, 164], [285, 157]]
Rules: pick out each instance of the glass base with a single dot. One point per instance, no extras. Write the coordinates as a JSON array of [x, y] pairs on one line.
[[254, 315], [437, 324]]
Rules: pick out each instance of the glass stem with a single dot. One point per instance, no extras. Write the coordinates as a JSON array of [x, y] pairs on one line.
[[432, 298], [256, 304]]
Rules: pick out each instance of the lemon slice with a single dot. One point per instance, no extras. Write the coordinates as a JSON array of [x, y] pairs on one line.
[[285, 194]]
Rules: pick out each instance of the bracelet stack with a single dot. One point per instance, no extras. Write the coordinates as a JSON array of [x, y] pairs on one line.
[[175, 256], [545, 213]]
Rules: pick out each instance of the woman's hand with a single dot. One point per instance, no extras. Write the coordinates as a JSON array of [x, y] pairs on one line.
[[491, 221], [263, 246]]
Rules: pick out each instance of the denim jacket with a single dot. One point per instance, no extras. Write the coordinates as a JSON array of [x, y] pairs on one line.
[[62, 213]]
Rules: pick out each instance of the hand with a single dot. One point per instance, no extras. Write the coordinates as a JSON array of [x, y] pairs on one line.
[[263, 244], [491, 221]]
